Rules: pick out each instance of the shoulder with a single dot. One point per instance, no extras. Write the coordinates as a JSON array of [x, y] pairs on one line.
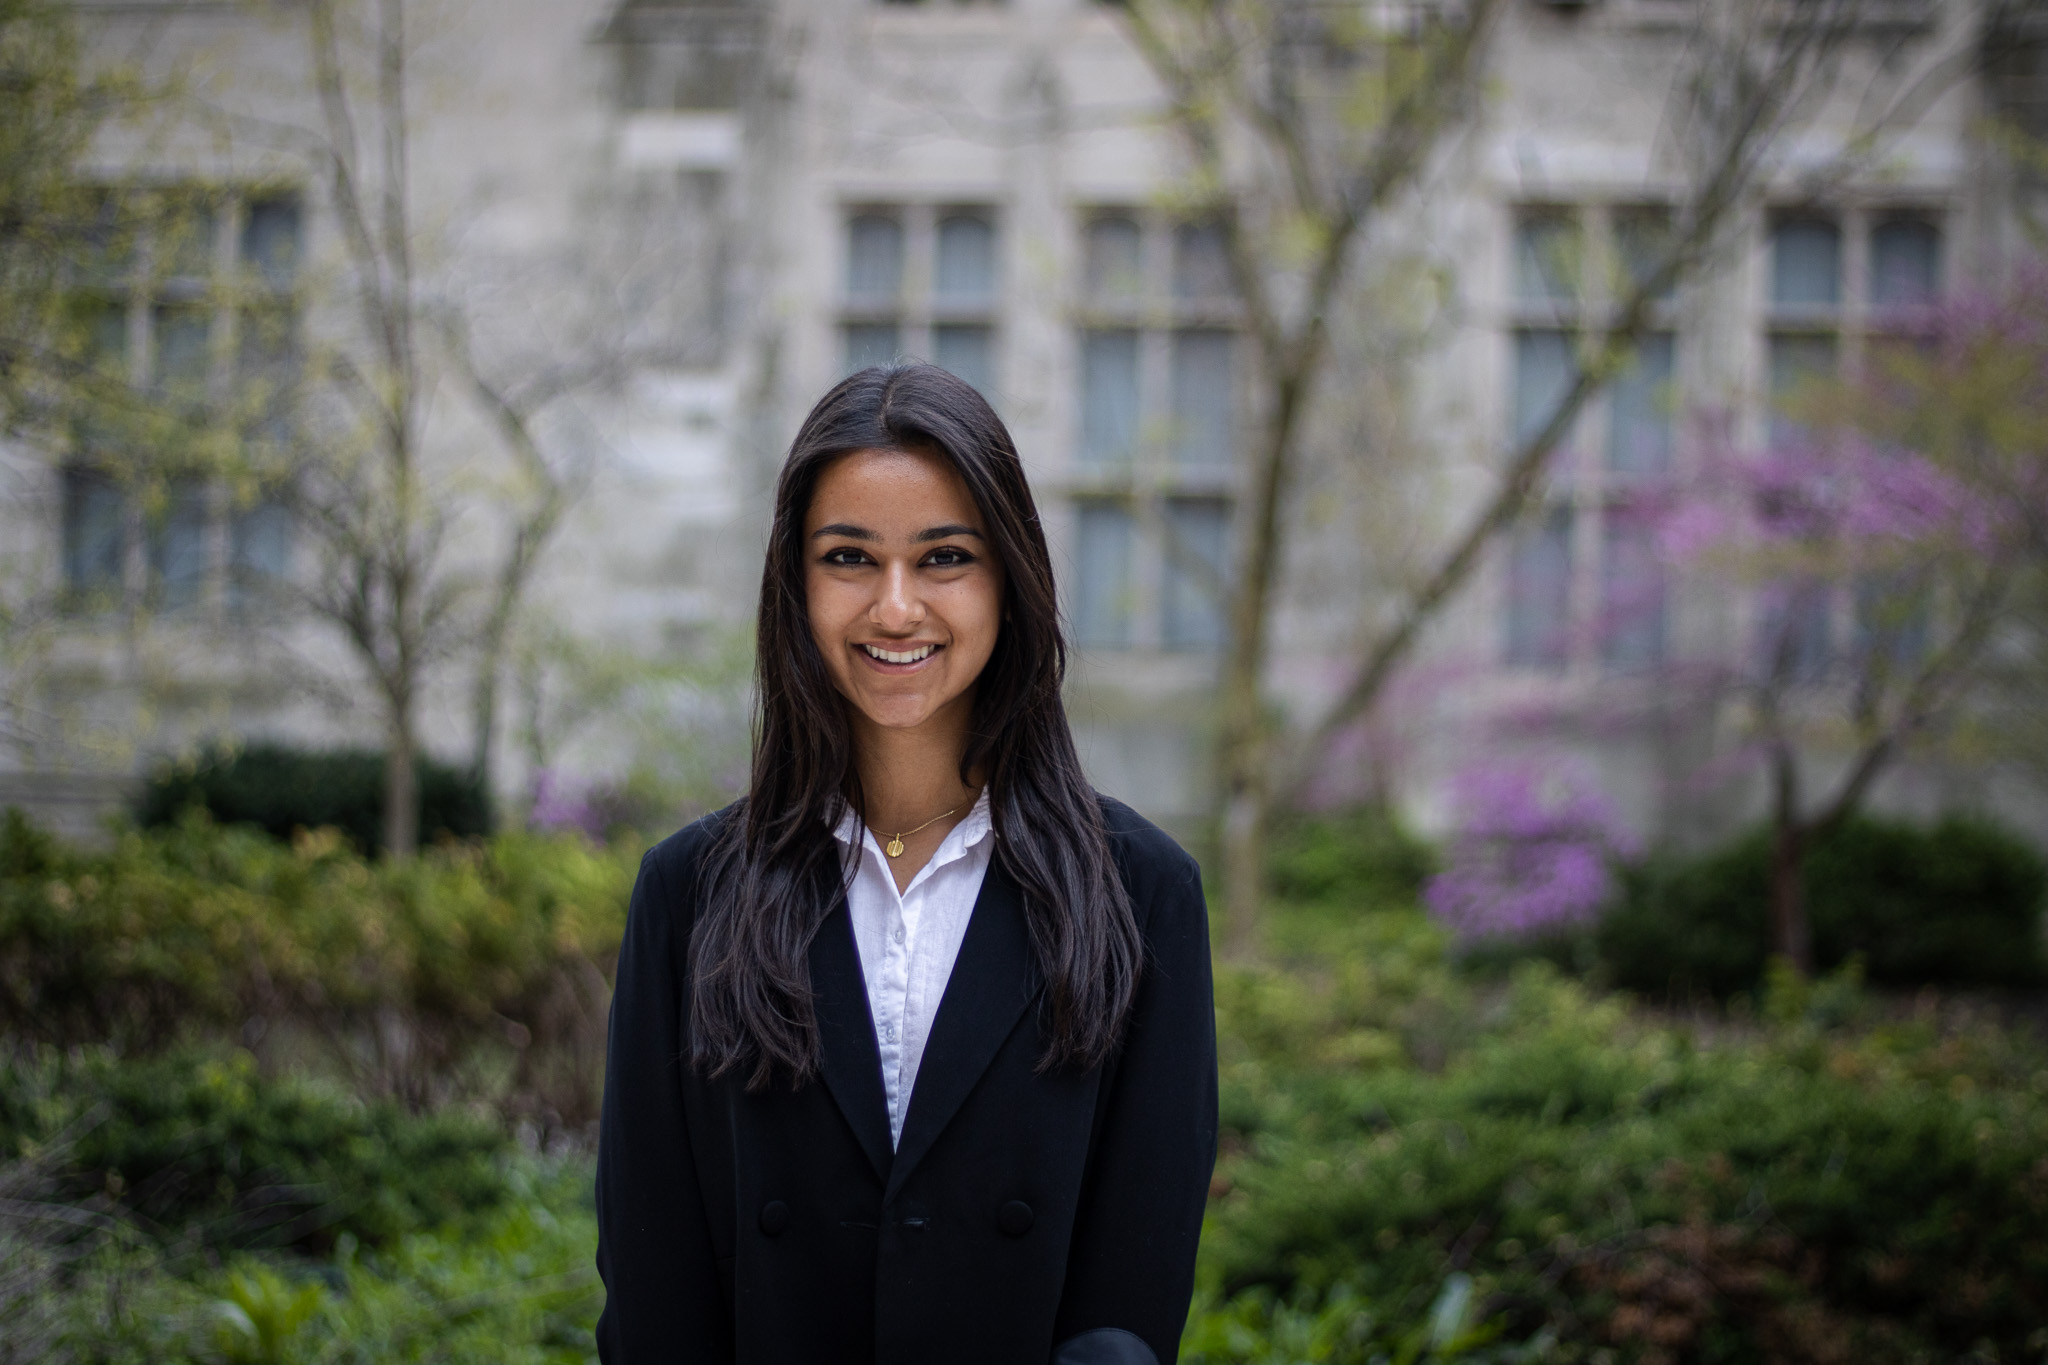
[[669, 871], [1146, 855]]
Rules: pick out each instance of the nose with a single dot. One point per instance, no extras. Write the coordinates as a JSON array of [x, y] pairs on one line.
[[897, 608]]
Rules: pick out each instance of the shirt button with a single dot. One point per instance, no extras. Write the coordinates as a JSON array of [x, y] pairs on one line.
[[899, 933]]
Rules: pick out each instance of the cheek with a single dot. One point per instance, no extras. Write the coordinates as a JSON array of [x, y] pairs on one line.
[[824, 610], [980, 614]]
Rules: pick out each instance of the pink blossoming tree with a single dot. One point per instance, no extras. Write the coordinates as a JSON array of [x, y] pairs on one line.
[[1911, 499]]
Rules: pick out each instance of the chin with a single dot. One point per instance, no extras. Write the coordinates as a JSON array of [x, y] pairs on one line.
[[897, 713]]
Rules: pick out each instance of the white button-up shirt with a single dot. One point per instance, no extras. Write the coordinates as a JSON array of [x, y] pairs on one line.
[[908, 941]]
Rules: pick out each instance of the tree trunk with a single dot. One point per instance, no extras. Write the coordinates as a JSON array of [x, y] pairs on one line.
[[401, 784], [1244, 838], [1791, 938], [1243, 739], [484, 723]]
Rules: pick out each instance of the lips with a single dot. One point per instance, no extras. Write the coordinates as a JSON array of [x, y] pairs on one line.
[[917, 654]]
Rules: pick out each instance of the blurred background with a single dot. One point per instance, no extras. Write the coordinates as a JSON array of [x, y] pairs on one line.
[[1550, 499]]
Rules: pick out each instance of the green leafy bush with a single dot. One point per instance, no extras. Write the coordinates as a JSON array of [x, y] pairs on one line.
[[202, 1147], [280, 789], [1362, 856], [1958, 903], [512, 1285], [414, 973], [1795, 1192]]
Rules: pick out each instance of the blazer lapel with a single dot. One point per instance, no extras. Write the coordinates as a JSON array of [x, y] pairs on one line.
[[846, 1032], [993, 980]]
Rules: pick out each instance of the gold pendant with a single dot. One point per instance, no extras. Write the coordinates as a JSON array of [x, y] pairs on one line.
[[895, 848]]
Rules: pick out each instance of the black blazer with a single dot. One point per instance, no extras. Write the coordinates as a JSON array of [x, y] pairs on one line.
[[1022, 1212]]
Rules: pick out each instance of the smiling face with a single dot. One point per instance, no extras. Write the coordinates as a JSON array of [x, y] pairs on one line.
[[905, 594]]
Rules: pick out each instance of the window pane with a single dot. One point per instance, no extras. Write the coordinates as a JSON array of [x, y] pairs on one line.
[[967, 259], [1642, 236], [1549, 257], [95, 524], [177, 544], [270, 238], [1102, 606], [1539, 591], [259, 551], [1631, 592], [968, 352], [1203, 394], [1201, 262], [874, 258], [181, 345], [1806, 263], [266, 365], [1904, 263], [1198, 531], [871, 343], [107, 247], [1115, 262], [105, 329], [1109, 396], [1793, 631], [185, 242], [1891, 619], [1639, 434], [1544, 366], [1797, 361]]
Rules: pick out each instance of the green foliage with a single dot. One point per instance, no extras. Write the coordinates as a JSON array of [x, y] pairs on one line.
[[1356, 857], [1827, 1186], [49, 111], [1341, 1327], [203, 1149], [513, 1285], [419, 975], [260, 1316], [280, 790], [1958, 903]]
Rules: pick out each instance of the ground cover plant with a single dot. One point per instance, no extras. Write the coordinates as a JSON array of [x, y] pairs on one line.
[[1420, 1161]]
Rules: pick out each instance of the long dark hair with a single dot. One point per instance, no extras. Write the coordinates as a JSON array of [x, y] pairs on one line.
[[774, 871]]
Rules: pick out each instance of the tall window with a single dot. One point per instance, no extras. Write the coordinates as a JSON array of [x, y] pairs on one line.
[[1837, 285], [1582, 579], [925, 282], [187, 301], [1157, 411]]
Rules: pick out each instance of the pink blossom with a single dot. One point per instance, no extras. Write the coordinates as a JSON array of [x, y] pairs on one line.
[[1531, 852], [561, 802]]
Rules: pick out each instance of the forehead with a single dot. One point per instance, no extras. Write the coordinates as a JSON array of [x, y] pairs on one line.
[[892, 492]]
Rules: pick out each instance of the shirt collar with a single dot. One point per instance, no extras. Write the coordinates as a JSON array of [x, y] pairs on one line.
[[978, 825]]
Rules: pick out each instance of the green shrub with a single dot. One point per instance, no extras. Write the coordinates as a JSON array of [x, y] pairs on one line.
[[1807, 1193], [280, 789], [1361, 856], [512, 1285], [1958, 903], [415, 971], [201, 1147]]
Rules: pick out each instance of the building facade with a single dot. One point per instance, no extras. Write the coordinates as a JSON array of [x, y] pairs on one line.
[[987, 184]]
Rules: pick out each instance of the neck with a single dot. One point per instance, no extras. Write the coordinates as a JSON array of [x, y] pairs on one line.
[[909, 776]]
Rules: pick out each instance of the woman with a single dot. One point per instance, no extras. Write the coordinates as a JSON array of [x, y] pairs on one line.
[[912, 1050]]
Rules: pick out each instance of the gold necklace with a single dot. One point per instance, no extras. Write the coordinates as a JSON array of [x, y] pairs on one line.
[[894, 848]]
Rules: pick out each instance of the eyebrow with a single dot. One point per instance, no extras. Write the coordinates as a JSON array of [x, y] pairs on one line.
[[852, 532]]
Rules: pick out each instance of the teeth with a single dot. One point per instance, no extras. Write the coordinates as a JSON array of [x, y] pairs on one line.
[[889, 656]]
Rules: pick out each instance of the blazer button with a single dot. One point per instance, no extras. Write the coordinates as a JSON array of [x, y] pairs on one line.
[[774, 1217], [1015, 1218]]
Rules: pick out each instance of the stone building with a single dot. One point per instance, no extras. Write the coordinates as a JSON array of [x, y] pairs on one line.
[[985, 184]]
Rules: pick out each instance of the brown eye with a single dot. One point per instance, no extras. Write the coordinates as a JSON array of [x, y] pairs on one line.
[[845, 557], [949, 557]]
